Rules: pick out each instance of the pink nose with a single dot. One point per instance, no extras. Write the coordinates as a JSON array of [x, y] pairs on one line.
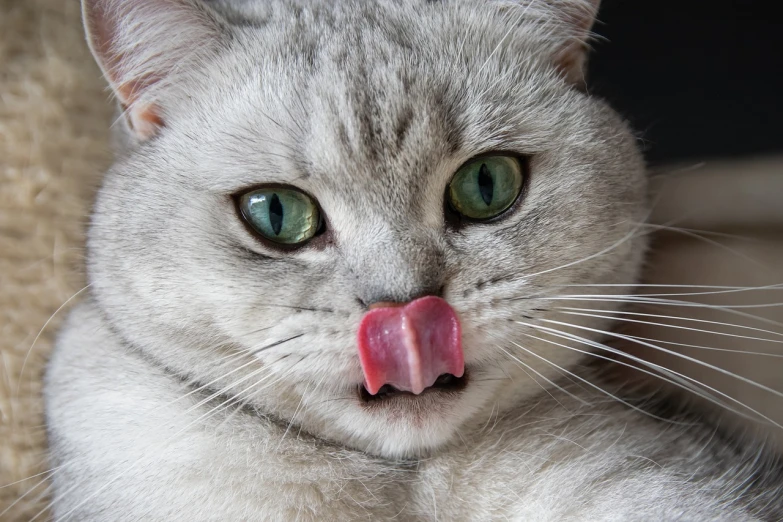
[[409, 346]]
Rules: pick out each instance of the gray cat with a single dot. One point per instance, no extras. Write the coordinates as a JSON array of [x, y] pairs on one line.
[[324, 274]]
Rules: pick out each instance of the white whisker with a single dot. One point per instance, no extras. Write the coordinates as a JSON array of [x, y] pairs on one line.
[[671, 352], [680, 318], [675, 379], [22, 497], [714, 243], [714, 290], [666, 325], [662, 302], [606, 250], [708, 348], [667, 371], [595, 386], [519, 361], [30, 350]]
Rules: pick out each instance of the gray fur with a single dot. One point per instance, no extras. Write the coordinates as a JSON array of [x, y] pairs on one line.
[[370, 106]]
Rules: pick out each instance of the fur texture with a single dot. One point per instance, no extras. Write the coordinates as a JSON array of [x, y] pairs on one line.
[[370, 107]]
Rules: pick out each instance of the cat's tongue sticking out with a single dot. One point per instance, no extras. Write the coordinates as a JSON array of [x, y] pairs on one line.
[[410, 346]]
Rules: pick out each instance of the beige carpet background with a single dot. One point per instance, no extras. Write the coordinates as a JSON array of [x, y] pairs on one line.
[[53, 142], [54, 116]]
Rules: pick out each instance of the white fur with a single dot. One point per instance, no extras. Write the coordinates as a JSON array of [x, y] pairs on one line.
[[370, 107]]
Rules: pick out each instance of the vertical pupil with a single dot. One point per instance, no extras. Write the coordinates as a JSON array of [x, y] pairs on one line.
[[485, 183], [276, 214]]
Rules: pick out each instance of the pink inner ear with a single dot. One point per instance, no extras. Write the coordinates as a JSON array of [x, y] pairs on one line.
[[139, 43], [578, 18], [571, 61], [144, 120]]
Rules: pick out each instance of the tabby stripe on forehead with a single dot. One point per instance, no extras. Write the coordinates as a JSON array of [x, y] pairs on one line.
[[276, 214], [486, 184]]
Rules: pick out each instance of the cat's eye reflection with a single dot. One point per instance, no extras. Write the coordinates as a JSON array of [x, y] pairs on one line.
[[486, 187], [281, 215]]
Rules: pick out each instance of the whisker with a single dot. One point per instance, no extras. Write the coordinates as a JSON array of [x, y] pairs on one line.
[[722, 289], [710, 348], [254, 393], [680, 318], [712, 242], [21, 497], [601, 346], [519, 361], [679, 380], [661, 302], [275, 344], [704, 232], [75, 486], [300, 308], [595, 386], [670, 352], [30, 350], [606, 250], [666, 325], [202, 387], [654, 299], [47, 472], [53, 470], [296, 412]]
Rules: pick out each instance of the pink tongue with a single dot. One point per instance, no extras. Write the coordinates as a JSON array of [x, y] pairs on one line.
[[409, 346]]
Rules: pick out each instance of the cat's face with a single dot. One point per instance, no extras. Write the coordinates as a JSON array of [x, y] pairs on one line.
[[369, 108]]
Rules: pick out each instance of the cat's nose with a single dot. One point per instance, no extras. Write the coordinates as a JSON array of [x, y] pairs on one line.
[[396, 266], [396, 304], [372, 302]]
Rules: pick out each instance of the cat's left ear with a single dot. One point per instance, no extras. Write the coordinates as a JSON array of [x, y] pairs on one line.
[[576, 18], [144, 48]]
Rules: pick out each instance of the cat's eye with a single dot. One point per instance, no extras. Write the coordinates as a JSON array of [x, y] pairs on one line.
[[486, 187], [281, 215]]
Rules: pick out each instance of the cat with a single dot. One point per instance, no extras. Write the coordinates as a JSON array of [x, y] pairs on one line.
[[326, 275]]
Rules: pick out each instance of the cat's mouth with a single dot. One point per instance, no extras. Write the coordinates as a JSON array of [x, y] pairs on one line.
[[445, 383]]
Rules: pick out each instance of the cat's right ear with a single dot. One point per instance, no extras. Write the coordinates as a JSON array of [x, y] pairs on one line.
[[142, 46]]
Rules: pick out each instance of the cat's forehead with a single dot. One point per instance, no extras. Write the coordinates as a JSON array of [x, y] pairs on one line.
[[373, 98]]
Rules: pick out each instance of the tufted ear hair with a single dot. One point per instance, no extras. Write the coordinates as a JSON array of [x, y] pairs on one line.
[[563, 25], [143, 47], [577, 17]]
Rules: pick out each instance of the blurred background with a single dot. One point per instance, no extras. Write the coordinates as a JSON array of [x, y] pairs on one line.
[[697, 78], [701, 83]]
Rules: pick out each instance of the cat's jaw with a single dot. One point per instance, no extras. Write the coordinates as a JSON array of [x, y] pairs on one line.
[[404, 425]]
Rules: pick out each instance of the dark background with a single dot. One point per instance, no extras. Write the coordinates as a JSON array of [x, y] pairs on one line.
[[697, 78]]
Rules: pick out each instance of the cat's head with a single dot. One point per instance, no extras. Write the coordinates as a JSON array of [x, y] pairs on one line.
[[292, 163]]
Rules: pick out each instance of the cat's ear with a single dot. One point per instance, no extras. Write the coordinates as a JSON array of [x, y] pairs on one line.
[[577, 18], [141, 45]]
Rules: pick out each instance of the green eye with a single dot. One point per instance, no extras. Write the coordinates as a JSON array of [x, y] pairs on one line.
[[281, 215], [485, 187]]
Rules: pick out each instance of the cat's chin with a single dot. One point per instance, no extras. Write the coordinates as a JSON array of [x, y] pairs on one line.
[[396, 424]]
